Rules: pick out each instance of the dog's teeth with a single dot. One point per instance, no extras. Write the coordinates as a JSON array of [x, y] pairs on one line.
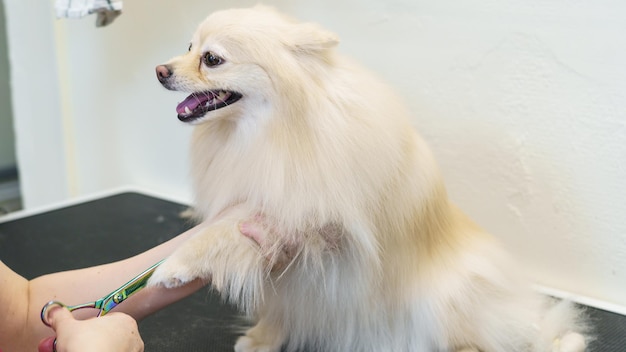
[[187, 111], [222, 95]]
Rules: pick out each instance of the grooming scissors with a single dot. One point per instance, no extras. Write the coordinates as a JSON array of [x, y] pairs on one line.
[[110, 301]]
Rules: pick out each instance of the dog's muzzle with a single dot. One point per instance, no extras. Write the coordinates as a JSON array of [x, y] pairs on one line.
[[163, 72]]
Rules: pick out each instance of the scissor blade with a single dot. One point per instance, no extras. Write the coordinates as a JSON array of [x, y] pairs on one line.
[[105, 304]]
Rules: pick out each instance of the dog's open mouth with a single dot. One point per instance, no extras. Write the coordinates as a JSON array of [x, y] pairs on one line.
[[199, 103]]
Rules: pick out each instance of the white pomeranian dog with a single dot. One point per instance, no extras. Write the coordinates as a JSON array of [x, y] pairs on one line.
[[326, 217]]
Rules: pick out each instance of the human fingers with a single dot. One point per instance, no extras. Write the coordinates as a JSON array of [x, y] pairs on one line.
[[46, 345], [127, 331]]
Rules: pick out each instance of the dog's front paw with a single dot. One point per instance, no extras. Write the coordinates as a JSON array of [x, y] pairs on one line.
[[570, 342], [249, 344], [172, 273], [262, 337]]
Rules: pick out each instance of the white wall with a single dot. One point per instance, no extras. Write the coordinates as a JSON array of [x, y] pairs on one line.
[[7, 141], [524, 103], [36, 102]]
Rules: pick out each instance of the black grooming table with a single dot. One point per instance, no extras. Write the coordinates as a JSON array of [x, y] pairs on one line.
[[122, 225]]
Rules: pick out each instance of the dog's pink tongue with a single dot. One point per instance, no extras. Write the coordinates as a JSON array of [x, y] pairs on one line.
[[192, 102]]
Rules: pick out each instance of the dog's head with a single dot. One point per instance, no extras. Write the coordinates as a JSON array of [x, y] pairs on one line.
[[239, 58]]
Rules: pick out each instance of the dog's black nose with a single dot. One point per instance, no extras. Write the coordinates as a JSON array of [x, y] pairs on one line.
[[163, 72]]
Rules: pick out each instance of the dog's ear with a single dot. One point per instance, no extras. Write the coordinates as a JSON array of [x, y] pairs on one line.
[[309, 37]]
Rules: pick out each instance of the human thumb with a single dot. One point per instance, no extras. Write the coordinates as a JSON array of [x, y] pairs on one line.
[[59, 316]]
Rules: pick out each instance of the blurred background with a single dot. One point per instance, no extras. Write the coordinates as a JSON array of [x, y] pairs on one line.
[[522, 101]]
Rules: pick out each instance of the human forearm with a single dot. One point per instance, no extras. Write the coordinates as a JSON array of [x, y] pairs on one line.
[[84, 285], [13, 307]]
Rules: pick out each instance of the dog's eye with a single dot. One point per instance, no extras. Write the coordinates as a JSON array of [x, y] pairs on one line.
[[211, 59], [189, 49]]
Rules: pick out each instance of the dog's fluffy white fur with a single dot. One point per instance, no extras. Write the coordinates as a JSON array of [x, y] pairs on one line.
[[326, 218]]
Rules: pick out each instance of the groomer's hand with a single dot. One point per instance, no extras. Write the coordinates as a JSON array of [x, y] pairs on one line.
[[112, 332]]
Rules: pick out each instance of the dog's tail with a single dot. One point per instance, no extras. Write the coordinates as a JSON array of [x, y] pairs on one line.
[[564, 328]]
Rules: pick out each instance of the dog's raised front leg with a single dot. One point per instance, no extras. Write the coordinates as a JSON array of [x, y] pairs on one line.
[[218, 253]]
